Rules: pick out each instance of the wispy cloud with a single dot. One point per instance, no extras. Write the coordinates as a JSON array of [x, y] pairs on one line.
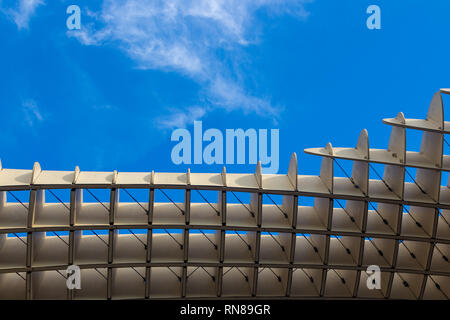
[[185, 36], [228, 94], [31, 112], [22, 12], [180, 118]]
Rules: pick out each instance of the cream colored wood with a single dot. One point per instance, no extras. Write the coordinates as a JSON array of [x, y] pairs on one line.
[[379, 190], [278, 247], [432, 293], [90, 249], [326, 170], [400, 291], [433, 122], [12, 252], [360, 170], [95, 178], [382, 219], [94, 286], [443, 230], [36, 172], [206, 179], [15, 283], [292, 171], [170, 179], [302, 286], [258, 174], [334, 285], [13, 214], [339, 248], [15, 178], [133, 178], [438, 264]]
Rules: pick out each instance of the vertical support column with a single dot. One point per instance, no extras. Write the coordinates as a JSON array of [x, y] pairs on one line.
[[219, 281], [151, 206], [36, 200], [114, 198], [148, 259], [327, 248], [222, 204], [294, 215], [187, 209], [183, 281], [29, 260], [75, 206], [430, 253], [327, 177], [361, 248], [360, 176], [109, 277], [257, 243], [70, 293], [396, 249], [292, 209], [72, 223]]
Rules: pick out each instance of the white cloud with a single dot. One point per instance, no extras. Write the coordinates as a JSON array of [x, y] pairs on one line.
[[227, 94], [180, 118], [185, 35], [23, 12], [32, 112]]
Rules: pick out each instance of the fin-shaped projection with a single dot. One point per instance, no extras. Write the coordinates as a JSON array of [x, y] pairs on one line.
[[363, 144], [431, 146], [293, 170], [434, 120], [258, 174], [114, 178], [436, 111], [326, 169], [224, 176], [36, 172], [188, 176], [360, 170], [76, 175], [152, 177], [397, 140]]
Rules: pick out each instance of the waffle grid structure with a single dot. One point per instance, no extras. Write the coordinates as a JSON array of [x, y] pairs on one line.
[[232, 250]]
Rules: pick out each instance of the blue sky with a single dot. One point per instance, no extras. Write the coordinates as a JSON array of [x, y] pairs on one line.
[[109, 95]]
